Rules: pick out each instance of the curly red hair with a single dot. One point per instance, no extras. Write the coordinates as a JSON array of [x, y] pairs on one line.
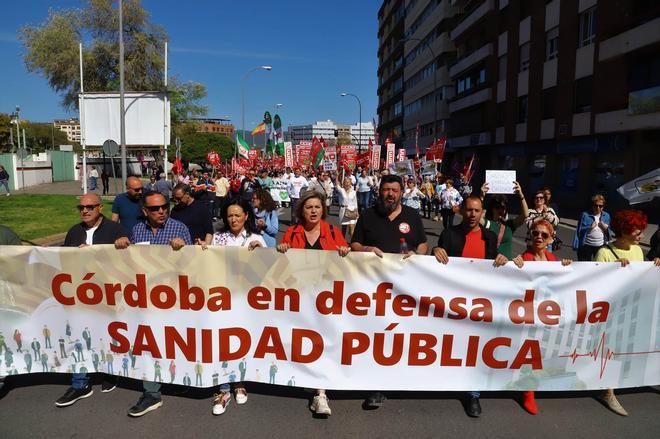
[[545, 223], [627, 221]]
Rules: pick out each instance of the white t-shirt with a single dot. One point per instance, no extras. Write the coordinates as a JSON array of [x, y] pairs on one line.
[[242, 240], [89, 240], [295, 186], [94, 173], [363, 184], [595, 237]]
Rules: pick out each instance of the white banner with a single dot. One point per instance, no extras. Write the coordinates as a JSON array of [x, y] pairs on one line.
[[319, 321]]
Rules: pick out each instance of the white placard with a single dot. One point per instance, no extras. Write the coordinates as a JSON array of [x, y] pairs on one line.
[[500, 182]]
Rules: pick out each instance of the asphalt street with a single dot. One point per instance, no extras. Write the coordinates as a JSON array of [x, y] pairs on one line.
[[27, 408]]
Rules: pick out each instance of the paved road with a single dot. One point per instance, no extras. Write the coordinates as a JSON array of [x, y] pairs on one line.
[[28, 410]]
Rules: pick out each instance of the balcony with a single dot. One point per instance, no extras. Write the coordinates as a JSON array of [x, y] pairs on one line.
[[476, 98], [473, 18], [633, 39], [475, 139], [465, 63]]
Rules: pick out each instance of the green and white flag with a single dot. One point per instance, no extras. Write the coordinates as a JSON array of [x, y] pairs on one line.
[[243, 147], [279, 138]]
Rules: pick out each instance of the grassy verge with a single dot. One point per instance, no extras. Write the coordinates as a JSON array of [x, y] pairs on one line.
[[36, 216]]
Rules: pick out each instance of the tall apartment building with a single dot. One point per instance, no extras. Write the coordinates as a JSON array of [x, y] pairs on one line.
[[566, 92], [69, 126], [216, 126], [414, 85]]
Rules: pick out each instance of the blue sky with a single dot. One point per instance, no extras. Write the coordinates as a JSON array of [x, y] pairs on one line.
[[317, 49]]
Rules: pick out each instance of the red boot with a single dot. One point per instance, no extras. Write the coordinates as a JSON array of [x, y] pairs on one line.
[[529, 403]]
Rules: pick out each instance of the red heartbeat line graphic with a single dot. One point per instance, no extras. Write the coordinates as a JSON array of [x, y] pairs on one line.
[[604, 355]]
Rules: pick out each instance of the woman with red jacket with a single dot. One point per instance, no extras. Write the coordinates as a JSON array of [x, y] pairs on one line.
[[540, 237], [314, 233]]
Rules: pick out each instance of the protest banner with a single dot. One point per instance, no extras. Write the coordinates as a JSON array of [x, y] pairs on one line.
[[436, 151], [288, 154], [330, 159], [348, 156], [500, 182], [389, 158], [642, 189], [279, 190], [304, 153], [402, 168], [375, 157], [359, 322], [402, 155]]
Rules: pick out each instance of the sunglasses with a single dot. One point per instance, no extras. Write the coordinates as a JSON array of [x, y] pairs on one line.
[[536, 234], [82, 207], [157, 208], [136, 189]]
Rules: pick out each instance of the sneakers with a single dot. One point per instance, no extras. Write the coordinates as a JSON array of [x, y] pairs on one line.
[[241, 395], [144, 405], [320, 405], [375, 400], [220, 402], [473, 408], [72, 395], [613, 404], [107, 386]]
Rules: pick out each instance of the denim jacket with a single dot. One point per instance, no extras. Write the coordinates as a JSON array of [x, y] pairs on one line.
[[584, 225]]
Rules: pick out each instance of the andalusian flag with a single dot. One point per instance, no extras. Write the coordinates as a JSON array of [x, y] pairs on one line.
[[318, 151], [279, 137], [242, 145], [259, 129]]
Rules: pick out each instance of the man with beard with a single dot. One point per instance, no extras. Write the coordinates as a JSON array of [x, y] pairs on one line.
[[127, 208], [389, 227], [469, 240]]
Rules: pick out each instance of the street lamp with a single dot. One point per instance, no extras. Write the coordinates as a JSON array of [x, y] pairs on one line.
[[359, 126], [243, 96], [435, 84]]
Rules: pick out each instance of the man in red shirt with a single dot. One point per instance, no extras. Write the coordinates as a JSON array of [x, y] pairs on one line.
[[469, 240]]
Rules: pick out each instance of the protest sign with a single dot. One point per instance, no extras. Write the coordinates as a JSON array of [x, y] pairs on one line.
[[389, 158], [642, 189], [354, 323], [288, 154], [500, 182]]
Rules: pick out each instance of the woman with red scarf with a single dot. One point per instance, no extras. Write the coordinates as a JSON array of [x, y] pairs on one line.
[[540, 237], [314, 233]]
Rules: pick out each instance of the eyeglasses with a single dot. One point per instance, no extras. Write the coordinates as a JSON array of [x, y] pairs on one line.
[[82, 207], [536, 234], [157, 208], [600, 206]]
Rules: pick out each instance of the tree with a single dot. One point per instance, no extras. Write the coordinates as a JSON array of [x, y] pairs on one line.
[[195, 146], [52, 50]]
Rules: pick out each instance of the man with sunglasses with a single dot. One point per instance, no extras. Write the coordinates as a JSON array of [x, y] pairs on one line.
[[469, 240], [127, 209], [192, 213], [93, 228], [157, 229]]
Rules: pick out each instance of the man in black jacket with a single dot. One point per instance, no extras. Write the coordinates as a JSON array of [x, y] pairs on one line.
[[93, 229], [469, 240]]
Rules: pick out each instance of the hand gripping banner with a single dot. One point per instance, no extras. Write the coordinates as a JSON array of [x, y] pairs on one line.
[[313, 319]]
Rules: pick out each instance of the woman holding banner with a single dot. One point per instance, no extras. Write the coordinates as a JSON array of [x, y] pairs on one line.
[[497, 217], [541, 235], [593, 230], [313, 233], [628, 226], [239, 230]]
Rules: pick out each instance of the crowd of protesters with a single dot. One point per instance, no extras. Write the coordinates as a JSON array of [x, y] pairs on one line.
[[377, 212]]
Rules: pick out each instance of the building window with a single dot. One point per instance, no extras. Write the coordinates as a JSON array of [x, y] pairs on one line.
[[482, 77], [549, 103], [501, 68], [524, 57], [552, 44], [460, 87], [501, 114], [522, 109], [587, 30], [583, 95], [397, 108]]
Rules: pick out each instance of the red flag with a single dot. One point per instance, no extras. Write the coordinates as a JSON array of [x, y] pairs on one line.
[[317, 148], [468, 170], [177, 168]]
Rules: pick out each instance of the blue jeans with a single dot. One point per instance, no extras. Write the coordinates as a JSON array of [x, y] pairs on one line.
[[5, 183], [80, 380], [475, 394], [364, 199], [92, 183]]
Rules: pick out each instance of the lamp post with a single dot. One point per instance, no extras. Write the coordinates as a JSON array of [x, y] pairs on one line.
[[360, 125], [435, 85], [122, 109], [243, 97]]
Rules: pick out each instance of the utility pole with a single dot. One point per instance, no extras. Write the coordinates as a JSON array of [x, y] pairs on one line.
[[122, 122]]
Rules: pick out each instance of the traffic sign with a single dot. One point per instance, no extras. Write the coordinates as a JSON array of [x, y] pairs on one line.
[[110, 148]]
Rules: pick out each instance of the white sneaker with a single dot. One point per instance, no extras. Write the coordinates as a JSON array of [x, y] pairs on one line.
[[220, 403], [613, 404], [320, 405], [241, 396]]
